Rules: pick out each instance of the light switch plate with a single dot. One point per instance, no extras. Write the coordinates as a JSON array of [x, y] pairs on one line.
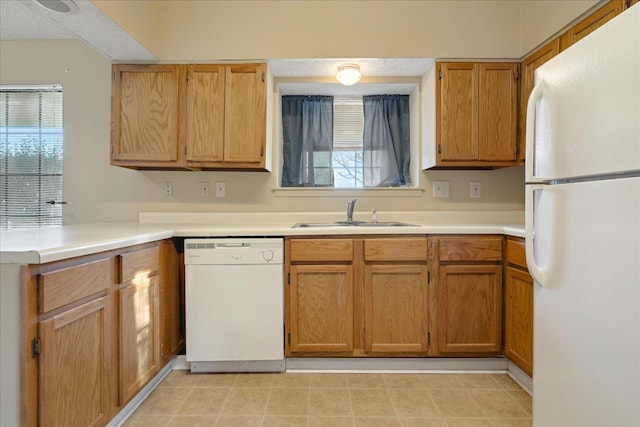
[[221, 189], [440, 188], [475, 189]]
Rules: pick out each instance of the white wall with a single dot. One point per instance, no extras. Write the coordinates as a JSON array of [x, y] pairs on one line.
[[96, 191]]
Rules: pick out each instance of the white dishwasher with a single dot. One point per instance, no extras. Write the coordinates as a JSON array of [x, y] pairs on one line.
[[234, 298]]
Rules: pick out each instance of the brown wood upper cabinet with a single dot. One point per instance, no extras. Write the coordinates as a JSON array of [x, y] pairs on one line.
[[469, 295], [592, 22], [518, 306], [528, 68], [476, 114], [196, 116]]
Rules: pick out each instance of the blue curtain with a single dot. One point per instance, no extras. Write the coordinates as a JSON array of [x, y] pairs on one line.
[[386, 141], [307, 131]]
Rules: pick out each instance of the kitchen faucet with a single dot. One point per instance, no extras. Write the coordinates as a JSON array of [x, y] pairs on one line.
[[350, 207]]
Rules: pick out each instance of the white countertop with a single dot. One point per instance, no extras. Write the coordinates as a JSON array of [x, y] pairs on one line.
[[44, 245]]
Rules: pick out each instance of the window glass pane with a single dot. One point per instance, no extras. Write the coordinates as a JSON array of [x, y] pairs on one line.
[[31, 141]]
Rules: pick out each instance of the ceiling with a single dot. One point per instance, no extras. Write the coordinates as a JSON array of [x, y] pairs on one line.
[[28, 20]]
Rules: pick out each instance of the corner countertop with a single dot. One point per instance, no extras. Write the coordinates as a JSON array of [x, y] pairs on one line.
[[44, 245]]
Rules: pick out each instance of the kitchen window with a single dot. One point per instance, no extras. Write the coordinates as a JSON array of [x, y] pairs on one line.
[[31, 141], [346, 141]]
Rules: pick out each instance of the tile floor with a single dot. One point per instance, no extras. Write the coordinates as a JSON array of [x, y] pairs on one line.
[[323, 399]]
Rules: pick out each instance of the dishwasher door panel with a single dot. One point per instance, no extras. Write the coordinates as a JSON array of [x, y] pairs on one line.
[[234, 312]]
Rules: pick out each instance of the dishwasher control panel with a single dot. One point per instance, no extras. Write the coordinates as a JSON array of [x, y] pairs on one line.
[[234, 251]]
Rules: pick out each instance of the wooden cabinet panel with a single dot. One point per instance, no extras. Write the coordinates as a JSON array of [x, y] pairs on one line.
[[144, 114], [497, 111], [139, 264], [396, 309], [528, 68], [245, 113], [470, 309], [591, 23], [171, 302], [458, 104], [74, 384], [396, 249], [519, 318], [204, 114], [515, 252], [310, 250], [470, 249], [62, 287], [476, 114], [139, 335], [321, 308]]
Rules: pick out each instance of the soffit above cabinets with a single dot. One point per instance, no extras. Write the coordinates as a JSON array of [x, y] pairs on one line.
[[27, 20], [369, 67]]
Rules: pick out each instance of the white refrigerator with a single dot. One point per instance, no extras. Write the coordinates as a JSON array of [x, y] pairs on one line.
[[583, 229]]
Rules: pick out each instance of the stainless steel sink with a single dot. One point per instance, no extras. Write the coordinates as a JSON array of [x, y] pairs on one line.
[[353, 224]]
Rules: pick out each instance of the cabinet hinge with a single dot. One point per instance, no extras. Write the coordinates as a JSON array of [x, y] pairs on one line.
[[439, 74], [188, 76], [113, 75], [261, 151], [262, 77], [439, 148], [428, 338], [428, 277], [289, 338], [289, 278], [35, 348], [517, 75]]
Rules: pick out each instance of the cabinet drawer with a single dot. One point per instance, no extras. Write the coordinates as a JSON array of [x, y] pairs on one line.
[[408, 249], [144, 261], [470, 249], [516, 253], [321, 250], [61, 287]]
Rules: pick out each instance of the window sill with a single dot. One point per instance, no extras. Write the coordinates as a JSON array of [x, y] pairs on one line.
[[347, 192]]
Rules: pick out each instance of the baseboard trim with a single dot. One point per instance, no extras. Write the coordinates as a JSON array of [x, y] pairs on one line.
[[128, 409], [519, 376], [432, 365]]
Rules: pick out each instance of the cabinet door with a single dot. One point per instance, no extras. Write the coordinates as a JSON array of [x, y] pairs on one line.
[[204, 113], [171, 302], [245, 114], [497, 111], [145, 108], [396, 309], [139, 335], [321, 308], [74, 366], [458, 105], [518, 329], [527, 70], [470, 309], [591, 23]]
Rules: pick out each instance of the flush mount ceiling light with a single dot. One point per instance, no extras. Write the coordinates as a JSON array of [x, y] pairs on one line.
[[60, 6], [348, 74]]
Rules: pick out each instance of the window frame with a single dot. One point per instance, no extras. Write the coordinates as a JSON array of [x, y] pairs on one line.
[[40, 212]]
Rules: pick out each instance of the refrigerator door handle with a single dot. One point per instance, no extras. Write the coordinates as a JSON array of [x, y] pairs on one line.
[[530, 147], [539, 273]]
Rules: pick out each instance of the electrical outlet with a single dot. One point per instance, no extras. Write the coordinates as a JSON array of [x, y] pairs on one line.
[[440, 189], [204, 189], [475, 189], [221, 189], [168, 188]]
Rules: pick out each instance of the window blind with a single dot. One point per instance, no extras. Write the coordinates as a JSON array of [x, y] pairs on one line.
[[348, 123], [31, 141]]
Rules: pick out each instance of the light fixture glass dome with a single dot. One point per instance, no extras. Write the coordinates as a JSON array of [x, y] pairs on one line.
[[348, 74]]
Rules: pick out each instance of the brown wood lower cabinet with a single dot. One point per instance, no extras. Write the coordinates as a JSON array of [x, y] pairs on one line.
[[93, 333], [321, 309], [518, 330], [469, 295], [356, 296], [75, 364]]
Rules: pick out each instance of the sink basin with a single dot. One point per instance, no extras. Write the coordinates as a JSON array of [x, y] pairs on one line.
[[353, 224]]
